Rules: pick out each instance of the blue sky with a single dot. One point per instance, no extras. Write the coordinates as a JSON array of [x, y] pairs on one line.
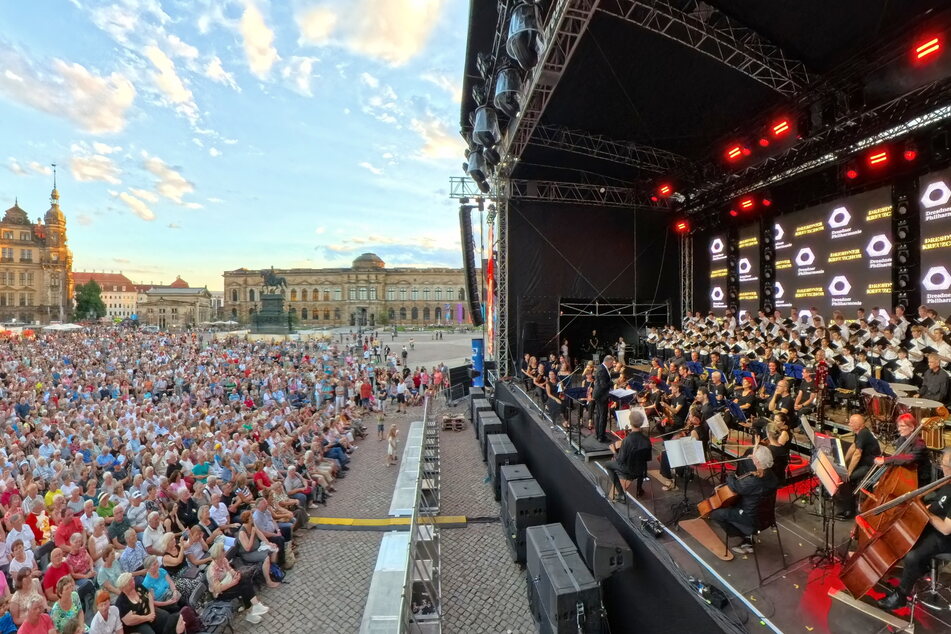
[[181, 127]]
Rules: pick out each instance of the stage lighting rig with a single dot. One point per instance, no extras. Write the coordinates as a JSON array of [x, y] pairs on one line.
[[525, 43], [508, 84]]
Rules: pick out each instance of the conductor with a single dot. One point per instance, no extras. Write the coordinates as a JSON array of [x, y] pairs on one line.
[[602, 386]]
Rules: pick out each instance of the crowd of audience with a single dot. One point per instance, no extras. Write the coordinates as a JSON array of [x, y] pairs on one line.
[[139, 470]]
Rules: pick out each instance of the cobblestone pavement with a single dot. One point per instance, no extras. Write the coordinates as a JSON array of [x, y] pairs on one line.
[[482, 589]]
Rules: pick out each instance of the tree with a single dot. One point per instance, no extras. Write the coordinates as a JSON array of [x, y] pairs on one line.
[[89, 301]]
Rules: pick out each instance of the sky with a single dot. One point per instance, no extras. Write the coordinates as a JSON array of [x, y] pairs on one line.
[[197, 136]]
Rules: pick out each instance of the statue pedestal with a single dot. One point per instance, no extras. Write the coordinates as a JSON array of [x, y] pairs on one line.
[[272, 319]]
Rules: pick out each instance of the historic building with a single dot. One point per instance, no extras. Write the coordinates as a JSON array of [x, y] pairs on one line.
[[35, 266], [367, 293], [118, 292], [175, 307]]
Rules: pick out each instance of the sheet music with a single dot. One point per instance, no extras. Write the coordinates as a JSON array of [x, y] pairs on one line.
[[630, 418], [622, 393], [684, 452], [810, 432], [718, 427]]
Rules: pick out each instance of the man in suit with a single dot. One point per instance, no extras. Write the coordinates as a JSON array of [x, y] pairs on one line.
[[602, 386]]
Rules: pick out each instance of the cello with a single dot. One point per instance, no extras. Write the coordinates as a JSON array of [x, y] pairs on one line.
[[889, 523]]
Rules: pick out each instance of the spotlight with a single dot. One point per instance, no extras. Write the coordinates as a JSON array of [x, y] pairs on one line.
[[735, 152], [878, 158], [478, 171], [682, 226], [780, 128], [654, 198], [485, 128], [763, 142], [507, 97], [665, 189], [927, 49], [734, 213], [747, 203], [851, 171], [767, 199], [911, 152], [524, 41]]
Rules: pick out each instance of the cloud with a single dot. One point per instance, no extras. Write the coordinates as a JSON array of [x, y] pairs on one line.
[[194, 206], [174, 225], [105, 148], [144, 194], [169, 182], [445, 82], [371, 168], [96, 103], [28, 169], [439, 142], [298, 72], [394, 31], [258, 41], [214, 152], [216, 72], [215, 201], [94, 167], [320, 230], [170, 84], [138, 207], [369, 80], [84, 220], [178, 48], [122, 260]]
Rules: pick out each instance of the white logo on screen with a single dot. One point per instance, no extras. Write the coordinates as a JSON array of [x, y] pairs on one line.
[[839, 217], [839, 286], [778, 232], [745, 265], [779, 290], [936, 194], [716, 246], [937, 278], [716, 294], [805, 257], [878, 246]]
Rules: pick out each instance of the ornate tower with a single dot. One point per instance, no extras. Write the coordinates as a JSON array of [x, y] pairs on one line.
[[57, 260]]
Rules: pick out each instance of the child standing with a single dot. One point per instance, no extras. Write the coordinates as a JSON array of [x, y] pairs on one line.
[[379, 424], [391, 446]]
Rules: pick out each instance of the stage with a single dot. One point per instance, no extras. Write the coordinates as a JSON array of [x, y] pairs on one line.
[[656, 594]]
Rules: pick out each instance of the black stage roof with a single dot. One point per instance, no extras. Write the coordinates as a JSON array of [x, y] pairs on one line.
[[629, 83]]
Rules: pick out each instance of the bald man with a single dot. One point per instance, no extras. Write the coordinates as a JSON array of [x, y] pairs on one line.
[[858, 460]]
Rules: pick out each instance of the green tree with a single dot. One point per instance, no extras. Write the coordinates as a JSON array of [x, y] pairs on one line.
[[89, 301]]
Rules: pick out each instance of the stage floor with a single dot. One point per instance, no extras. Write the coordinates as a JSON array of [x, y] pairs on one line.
[[795, 598]]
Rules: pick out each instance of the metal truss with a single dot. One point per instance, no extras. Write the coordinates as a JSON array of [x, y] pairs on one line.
[[567, 22], [686, 273], [465, 187], [595, 308], [581, 193], [714, 34], [642, 157], [503, 356]]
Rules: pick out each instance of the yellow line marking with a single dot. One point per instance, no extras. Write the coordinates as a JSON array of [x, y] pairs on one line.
[[387, 521]]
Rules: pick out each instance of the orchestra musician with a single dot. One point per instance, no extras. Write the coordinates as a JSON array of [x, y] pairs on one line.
[[916, 455], [651, 399], [676, 408], [935, 384], [859, 458], [804, 404], [631, 456], [934, 540], [695, 429], [587, 382], [746, 399], [555, 401], [716, 386], [781, 401], [751, 487]]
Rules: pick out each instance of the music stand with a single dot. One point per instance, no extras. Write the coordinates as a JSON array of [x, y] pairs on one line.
[[824, 469], [683, 453]]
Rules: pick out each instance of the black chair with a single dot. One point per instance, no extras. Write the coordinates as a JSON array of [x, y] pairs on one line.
[[936, 596], [765, 518]]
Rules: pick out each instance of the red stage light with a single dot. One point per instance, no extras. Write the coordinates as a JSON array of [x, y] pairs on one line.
[[878, 158], [654, 199], [767, 202], [746, 151], [911, 155], [682, 226], [665, 190], [928, 48], [734, 152], [780, 127], [764, 142], [746, 203], [851, 173], [734, 213]]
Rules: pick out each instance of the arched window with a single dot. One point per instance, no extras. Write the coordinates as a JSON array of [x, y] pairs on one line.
[[415, 294], [402, 294], [392, 315], [426, 314], [292, 311], [439, 313], [293, 294], [326, 296], [326, 314], [303, 295], [438, 294], [234, 313], [234, 295], [336, 314], [402, 314], [425, 293], [316, 315], [303, 313], [415, 313], [250, 294], [462, 294]]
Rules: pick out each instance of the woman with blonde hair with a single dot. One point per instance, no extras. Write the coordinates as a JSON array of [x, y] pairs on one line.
[[226, 583]]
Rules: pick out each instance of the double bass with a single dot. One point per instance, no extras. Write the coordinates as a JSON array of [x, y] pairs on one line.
[[891, 519]]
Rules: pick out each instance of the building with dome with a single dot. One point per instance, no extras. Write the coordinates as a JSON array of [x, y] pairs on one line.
[[35, 266], [367, 293]]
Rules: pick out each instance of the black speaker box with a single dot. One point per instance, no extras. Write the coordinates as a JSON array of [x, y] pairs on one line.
[[559, 583], [501, 451], [473, 293], [489, 424], [525, 507], [478, 405], [601, 545], [511, 473]]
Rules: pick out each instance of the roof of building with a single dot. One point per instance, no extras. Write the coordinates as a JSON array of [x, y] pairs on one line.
[[179, 282], [368, 261], [175, 290], [16, 215], [54, 215], [105, 280]]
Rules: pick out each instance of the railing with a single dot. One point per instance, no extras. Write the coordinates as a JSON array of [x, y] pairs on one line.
[[422, 608]]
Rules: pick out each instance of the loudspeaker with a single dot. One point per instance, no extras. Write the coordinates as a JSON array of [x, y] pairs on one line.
[[505, 411], [601, 545], [525, 506], [473, 292], [559, 583], [478, 405], [489, 424], [511, 473], [500, 452]]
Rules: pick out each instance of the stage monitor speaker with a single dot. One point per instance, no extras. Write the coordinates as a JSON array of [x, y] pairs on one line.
[[478, 405], [500, 451], [601, 545], [511, 473], [505, 411], [559, 582], [489, 424], [473, 291]]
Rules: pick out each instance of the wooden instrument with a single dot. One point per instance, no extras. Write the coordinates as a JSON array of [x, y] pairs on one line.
[[723, 497], [888, 531]]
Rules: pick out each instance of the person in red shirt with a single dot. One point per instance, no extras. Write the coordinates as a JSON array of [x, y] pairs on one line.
[[366, 391], [33, 521], [57, 569], [261, 479], [69, 525]]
